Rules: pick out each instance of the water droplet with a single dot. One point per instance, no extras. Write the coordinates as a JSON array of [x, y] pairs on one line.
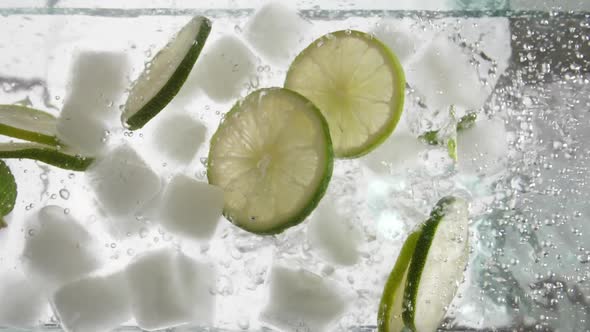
[[143, 232], [64, 194]]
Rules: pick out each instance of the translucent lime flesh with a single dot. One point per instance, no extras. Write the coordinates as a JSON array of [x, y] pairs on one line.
[[273, 158], [358, 85]]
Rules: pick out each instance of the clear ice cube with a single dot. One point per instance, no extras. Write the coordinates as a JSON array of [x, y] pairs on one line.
[[57, 248], [98, 303], [168, 289]]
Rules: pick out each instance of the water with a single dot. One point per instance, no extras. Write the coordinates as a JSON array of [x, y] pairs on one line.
[[529, 267]]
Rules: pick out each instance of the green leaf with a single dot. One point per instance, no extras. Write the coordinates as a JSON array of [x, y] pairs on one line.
[[467, 121], [430, 137], [7, 192]]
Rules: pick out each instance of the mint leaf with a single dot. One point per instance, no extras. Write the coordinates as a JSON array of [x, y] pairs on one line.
[[432, 137], [467, 121], [7, 192]]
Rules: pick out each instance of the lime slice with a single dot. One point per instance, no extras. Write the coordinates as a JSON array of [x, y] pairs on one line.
[[437, 265], [165, 74], [56, 156], [358, 85], [273, 157], [389, 318], [28, 124]]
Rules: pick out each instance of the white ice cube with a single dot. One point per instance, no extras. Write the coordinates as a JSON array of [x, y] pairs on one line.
[[403, 37], [98, 82], [483, 148], [225, 66], [191, 208], [59, 249], [99, 303], [169, 289], [276, 30], [332, 234], [302, 301], [492, 36], [123, 182], [443, 75], [179, 136], [22, 302], [400, 152]]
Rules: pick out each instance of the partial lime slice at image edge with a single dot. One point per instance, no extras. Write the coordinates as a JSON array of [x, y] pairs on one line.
[[389, 317], [58, 157], [437, 265], [273, 157], [166, 74], [28, 124], [357, 83]]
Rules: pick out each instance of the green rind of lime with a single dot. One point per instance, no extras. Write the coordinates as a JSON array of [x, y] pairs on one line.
[[28, 124], [389, 317], [58, 157], [291, 152], [135, 118], [434, 240], [333, 86]]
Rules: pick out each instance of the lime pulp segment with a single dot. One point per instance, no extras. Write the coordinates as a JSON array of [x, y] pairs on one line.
[[28, 124], [166, 73], [358, 85], [273, 157]]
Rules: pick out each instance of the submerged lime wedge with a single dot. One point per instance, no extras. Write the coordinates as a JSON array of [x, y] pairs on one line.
[[272, 156], [437, 265], [28, 124], [389, 318], [165, 74], [358, 85]]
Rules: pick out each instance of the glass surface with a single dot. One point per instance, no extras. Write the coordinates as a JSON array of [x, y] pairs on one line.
[[529, 265]]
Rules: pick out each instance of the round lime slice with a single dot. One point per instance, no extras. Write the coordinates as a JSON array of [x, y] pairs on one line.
[[389, 318], [28, 124], [165, 74], [358, 85], [437, 266], [273, 157]]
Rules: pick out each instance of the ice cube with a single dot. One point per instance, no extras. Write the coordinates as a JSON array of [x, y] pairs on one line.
[[483, 148], [400, 152], [331, 233], [98, 303], [224, 68], [275, 30], [179, 136], [191, 208], [492, 36], [98, 83], [123, 181], [402, 37], [443, 75], [302, 301], [169, 289], [22, 302], [58, 249]]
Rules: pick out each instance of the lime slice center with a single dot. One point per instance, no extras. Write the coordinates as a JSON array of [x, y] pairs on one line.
[[270, 156]]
